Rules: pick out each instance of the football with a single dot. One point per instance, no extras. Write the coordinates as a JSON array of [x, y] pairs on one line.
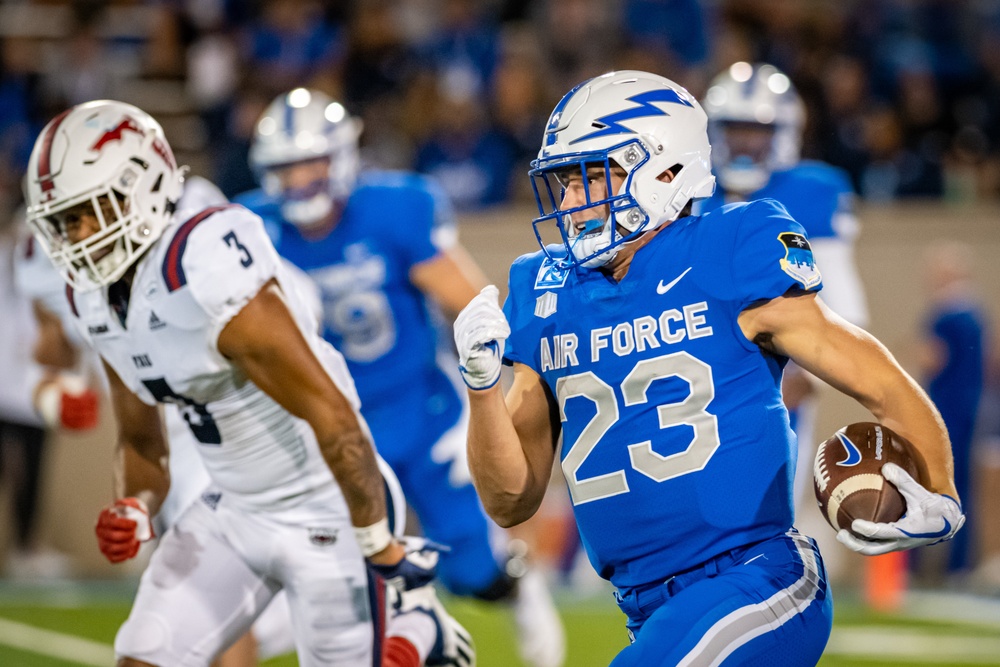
[[847, 477]]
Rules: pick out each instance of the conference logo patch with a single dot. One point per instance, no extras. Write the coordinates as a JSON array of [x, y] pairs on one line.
[[798, 261]]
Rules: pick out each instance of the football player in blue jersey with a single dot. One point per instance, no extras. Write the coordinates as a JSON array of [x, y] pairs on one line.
[[383, 249], [652, 342], [755, 124]]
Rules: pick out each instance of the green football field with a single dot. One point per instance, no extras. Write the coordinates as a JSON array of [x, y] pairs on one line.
[[67, 626]]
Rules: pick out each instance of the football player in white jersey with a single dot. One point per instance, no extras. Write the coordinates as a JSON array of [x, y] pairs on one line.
[[66, 397], [66, 394], [197, 311]]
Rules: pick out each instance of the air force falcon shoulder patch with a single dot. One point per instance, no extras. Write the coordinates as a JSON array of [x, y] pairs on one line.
[[798, 261]]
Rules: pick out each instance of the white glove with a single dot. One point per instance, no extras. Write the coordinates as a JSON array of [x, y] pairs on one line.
[[480, 331], [929, 518]]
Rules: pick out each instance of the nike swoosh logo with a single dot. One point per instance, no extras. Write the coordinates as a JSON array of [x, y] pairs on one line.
[[853, 455], [941, 533], [663, 289]]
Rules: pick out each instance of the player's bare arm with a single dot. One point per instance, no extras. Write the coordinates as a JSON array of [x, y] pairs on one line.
[[61, 398], [450, 278], [264, 341], [53, 348], [854, 362], [141, 463], [511, 447]]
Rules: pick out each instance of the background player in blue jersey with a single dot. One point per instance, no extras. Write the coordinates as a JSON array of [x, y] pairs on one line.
[[755, 122], [652, 341], [953, 361], [383, 249]]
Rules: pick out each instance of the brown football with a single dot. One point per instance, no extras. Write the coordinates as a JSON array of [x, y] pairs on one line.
[[847, 477]]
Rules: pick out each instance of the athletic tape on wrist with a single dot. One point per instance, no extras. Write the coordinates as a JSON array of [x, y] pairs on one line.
[[374, 538]]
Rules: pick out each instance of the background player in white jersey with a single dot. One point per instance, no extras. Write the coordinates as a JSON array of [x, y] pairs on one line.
[[755, 125], [200, 313], [652, 342], [24, 437], [66, 396], [61, 349], [383, 249]]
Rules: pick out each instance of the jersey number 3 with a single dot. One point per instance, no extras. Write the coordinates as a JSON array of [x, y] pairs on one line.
[[691, 411], [197, 416]]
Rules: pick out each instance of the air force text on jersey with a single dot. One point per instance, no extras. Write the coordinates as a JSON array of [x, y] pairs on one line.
[[671, 326]]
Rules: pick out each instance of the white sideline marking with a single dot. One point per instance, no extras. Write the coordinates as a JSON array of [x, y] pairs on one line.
[[914, 646], [55, 644]]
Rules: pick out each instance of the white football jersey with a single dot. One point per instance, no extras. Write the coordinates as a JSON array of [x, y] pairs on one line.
[[199, 275], [18, 371], [37, 279]]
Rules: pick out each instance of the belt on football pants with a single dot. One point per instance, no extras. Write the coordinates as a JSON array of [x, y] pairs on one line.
[[641, 601]]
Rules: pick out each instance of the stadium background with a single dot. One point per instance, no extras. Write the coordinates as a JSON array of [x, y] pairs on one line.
[[903, 94]]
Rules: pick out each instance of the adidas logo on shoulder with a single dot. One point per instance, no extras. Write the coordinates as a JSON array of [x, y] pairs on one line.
[[155, 322]]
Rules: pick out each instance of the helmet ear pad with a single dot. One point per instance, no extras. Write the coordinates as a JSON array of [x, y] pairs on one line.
[[661, 187]]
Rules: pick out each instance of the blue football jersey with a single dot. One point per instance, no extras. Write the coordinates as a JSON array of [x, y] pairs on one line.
[[817, 195], [675, 442], [372, 313]]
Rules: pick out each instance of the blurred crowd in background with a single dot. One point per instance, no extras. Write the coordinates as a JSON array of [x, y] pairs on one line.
[[903, 94]]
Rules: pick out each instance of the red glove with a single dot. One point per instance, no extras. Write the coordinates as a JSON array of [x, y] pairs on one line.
[[78, 412], [122, 527], [66, 401]]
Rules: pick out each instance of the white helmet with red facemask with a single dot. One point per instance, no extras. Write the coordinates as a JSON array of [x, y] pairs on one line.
[[110, 160]]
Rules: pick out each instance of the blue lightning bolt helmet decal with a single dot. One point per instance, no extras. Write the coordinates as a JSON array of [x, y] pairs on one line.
[[644, 108], [556, 117]]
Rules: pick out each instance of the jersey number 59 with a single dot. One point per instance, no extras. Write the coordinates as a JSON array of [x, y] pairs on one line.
[[690, 411]]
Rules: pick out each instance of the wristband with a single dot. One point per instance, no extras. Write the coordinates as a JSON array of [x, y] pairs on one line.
[[374, 538], [135, 509]]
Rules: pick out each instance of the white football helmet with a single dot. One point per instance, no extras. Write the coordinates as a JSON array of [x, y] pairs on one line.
[[114, 159], [299, 126], [756, 96], [640, 122]]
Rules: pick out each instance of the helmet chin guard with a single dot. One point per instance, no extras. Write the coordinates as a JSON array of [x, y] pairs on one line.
[[111, 161], [636, 122]]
